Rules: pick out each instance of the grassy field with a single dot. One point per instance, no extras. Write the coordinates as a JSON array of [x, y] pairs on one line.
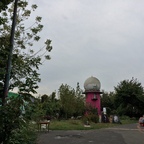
[[78, 125]]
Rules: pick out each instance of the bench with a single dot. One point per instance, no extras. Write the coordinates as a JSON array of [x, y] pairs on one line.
[[46, 123]]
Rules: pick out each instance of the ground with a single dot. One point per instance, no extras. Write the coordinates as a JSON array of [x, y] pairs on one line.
[[123, 134]]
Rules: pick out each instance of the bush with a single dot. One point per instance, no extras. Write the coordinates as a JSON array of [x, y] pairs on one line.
[[91, 114], [90, 118], [124, 117], [24, 135], [14, 127]]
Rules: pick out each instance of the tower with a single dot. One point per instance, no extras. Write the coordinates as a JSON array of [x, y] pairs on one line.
[[92, 91]]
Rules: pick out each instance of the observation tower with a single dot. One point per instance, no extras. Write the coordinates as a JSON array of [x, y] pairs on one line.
[[92, 92]]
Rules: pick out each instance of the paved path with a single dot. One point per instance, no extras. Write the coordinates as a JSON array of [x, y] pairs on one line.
[[123, 134]]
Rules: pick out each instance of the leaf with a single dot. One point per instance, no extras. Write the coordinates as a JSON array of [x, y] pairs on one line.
[[36, 38], [34, 6], [47, 57], [38, 19]]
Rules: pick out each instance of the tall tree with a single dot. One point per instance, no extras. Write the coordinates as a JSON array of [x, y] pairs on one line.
[[67, 100], [107, 101], [26, 60], [26, 56], [51, 104], [79, 101], [129, 98]]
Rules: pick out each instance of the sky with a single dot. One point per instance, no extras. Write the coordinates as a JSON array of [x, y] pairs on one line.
[[100, 38]]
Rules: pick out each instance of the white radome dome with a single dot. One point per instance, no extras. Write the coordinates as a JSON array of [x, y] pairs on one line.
[[92, 84]]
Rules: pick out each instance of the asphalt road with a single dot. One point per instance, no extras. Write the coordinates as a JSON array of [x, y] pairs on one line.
[[123, 134]]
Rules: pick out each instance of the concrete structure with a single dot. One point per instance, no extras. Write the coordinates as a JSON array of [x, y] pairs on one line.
[[92, 91]]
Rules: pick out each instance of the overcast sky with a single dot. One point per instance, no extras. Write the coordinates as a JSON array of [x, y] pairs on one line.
[[100, 38]]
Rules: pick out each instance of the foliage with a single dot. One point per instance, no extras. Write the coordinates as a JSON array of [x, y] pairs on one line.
[[40, 108], [71, 101], [14, 127], [67, 100], [91, 114], [25, 135], [1, 91], [34, 111], [79, 102], [4, 4], [27, 57], [90, 118], [25, 63], [129, 98], [107, 101], [50, 104]]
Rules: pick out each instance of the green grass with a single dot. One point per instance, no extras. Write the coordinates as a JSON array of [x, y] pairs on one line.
[[78, 125]]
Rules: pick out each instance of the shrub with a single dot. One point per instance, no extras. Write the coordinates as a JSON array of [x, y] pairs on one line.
[[90, 118], [23, 135], [14, 127]]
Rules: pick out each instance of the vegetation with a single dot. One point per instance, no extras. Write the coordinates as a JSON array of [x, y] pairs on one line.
[[4, 4], [25, 63], [127, 99], [18, 115], [72, 101], [79, 125], [15, 127], [50, 105]]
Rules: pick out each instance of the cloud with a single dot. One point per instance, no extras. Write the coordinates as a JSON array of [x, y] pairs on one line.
[[103, 38]]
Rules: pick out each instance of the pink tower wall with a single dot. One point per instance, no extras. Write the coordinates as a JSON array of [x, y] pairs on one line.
[[94, 103]]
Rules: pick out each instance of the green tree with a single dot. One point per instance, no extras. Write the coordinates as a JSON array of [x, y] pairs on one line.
[[67, 100], [71, 101], [34, 110], [79, 101], [129, 98], [26, 60], [25, 65], [107, 101], [51, 104]]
